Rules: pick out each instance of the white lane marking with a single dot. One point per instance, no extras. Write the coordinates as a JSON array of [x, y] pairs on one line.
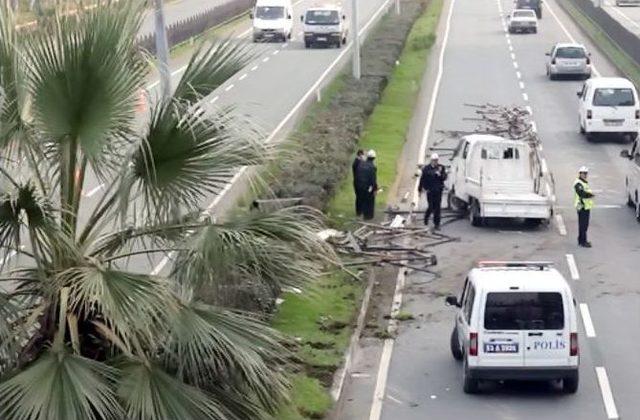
[[275, 52], [387, 350], [244, 76], [158, 268], [562, 229], [254, 68], [285, 45], [607, 395], [515, 65], [300, 103], [228, 88], [511, 49], [521, 85], [529, 109], [513, 56], [394, 399], [508, 40], [534, 128], [525, 97], [173, 73], [567, 33], [432, 102], [586, 321], [93, 191], [264, 60], [215, 99], [519, 75], [10, 255], [573, 267]]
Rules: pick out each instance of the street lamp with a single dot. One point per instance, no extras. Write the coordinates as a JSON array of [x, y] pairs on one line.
[[162, 49], [356, 39]]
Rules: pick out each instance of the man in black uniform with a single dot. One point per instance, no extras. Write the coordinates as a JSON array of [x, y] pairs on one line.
[[432, 182], [366, 183], [354, 167]]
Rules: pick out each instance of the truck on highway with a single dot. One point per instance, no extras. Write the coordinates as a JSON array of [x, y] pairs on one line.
[[325, 25], [632, 178], [272, 20], [535, 5], [499, 172]]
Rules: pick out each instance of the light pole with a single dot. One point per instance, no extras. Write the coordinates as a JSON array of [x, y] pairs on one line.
[[162, 49], [356, 39]]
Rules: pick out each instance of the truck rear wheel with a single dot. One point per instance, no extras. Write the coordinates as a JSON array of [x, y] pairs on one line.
[[570, 384], [454, 203], [455, 345], [474, 214]]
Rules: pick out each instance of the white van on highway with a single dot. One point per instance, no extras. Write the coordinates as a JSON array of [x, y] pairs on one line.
[[609, 105], [632, 179], [325, 25], [516, 321], [272, 20]]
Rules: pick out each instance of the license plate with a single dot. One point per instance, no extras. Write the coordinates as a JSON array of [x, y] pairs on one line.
[[500, 347], [613, 123], [322, 38]]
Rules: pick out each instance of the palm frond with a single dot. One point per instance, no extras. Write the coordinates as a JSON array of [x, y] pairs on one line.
[[148, 392], [60, 386], [209, 67], [186, 156]]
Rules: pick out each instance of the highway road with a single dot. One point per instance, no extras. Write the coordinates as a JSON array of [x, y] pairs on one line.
[[415, 376], [628, 16]]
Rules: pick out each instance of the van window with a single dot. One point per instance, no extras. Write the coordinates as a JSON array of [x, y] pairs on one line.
[[524, 311], [524, 14], [613, 97], [468, 303], [637, 159], [322, 17], [570, 52], [270, 13], [499, 152], [465, 151]]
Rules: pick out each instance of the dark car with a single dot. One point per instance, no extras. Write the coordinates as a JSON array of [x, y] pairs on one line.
[[535, 5]]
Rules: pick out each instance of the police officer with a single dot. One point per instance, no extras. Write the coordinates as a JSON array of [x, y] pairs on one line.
[[432, 181], [366, 184], [583, 202], [354, 167]]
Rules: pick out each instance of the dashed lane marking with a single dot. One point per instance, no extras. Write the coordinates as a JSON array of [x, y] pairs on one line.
[[515, 65], [519, 75], [586, 321], [521, 85], [244, 76], [264, 60], [562, 229], [573, 267], [228, 88], [215, 99], [607, 394], [525, 97], [254, 68]]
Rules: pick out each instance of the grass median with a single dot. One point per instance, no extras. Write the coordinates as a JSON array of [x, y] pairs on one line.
[[321, 322]]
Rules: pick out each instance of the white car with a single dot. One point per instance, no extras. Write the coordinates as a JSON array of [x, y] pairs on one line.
[[568, 59], [516, 321], [609, 105], [523, 20], [632, 179]]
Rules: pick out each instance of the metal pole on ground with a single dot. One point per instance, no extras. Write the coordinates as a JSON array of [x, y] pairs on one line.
[[356, 39], [162, 48]]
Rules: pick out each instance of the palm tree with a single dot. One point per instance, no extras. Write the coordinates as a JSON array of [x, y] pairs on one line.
[[86, 332]]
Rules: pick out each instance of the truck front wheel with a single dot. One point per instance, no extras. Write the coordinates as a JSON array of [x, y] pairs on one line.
[[474, 214]]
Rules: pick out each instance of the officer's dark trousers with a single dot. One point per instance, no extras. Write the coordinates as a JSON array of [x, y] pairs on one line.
[[583, 225], [367, 204], [358, 202], [434, 199]]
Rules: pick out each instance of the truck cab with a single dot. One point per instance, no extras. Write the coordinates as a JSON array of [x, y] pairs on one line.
[[515, 321], [325, 25], [535, 5], [632, 177]]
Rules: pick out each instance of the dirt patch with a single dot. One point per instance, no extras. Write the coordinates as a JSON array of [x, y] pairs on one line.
[[323, 150]]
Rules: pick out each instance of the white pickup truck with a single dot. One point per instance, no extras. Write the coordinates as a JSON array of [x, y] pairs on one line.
[[491, 176]]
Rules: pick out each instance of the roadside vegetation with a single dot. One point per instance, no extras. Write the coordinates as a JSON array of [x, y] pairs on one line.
[[87, 330], [373, 113]]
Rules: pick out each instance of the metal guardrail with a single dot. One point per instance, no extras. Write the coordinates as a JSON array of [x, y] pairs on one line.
[[626, 40], [183, 30]]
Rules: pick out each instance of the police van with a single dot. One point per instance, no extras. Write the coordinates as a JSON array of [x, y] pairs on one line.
[[515, 321]]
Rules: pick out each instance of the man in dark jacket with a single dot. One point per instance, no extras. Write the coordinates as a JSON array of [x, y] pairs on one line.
[[366, 184], [432, 182], [354, 167]]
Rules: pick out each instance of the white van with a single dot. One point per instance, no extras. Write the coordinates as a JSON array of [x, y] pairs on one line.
[[632, 179], [516, 321], [609, 105], [325, 25], [272, 20]]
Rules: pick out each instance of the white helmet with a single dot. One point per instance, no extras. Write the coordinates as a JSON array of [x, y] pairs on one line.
[[371, 154], [435, 156], [583, 170]]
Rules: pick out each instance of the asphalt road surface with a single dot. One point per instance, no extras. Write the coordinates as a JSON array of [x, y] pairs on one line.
[[415, 376], [628, 16]]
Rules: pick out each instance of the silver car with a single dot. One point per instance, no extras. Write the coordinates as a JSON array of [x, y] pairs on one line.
[[569, 60]]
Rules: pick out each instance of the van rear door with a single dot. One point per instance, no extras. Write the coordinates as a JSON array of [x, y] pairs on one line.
[[501, 339], [546, 334], [614, 105]]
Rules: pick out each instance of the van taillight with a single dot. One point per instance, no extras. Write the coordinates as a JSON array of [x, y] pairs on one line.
[[573, 346], [589, 114], [473, 344]]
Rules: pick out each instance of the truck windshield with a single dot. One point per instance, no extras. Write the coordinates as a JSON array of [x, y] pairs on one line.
[[613, 97], [322, 17], [524, 311], [570, 52], [524, 14], [270, 13]]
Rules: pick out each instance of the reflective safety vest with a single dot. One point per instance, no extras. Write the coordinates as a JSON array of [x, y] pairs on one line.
[[579, 202]]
